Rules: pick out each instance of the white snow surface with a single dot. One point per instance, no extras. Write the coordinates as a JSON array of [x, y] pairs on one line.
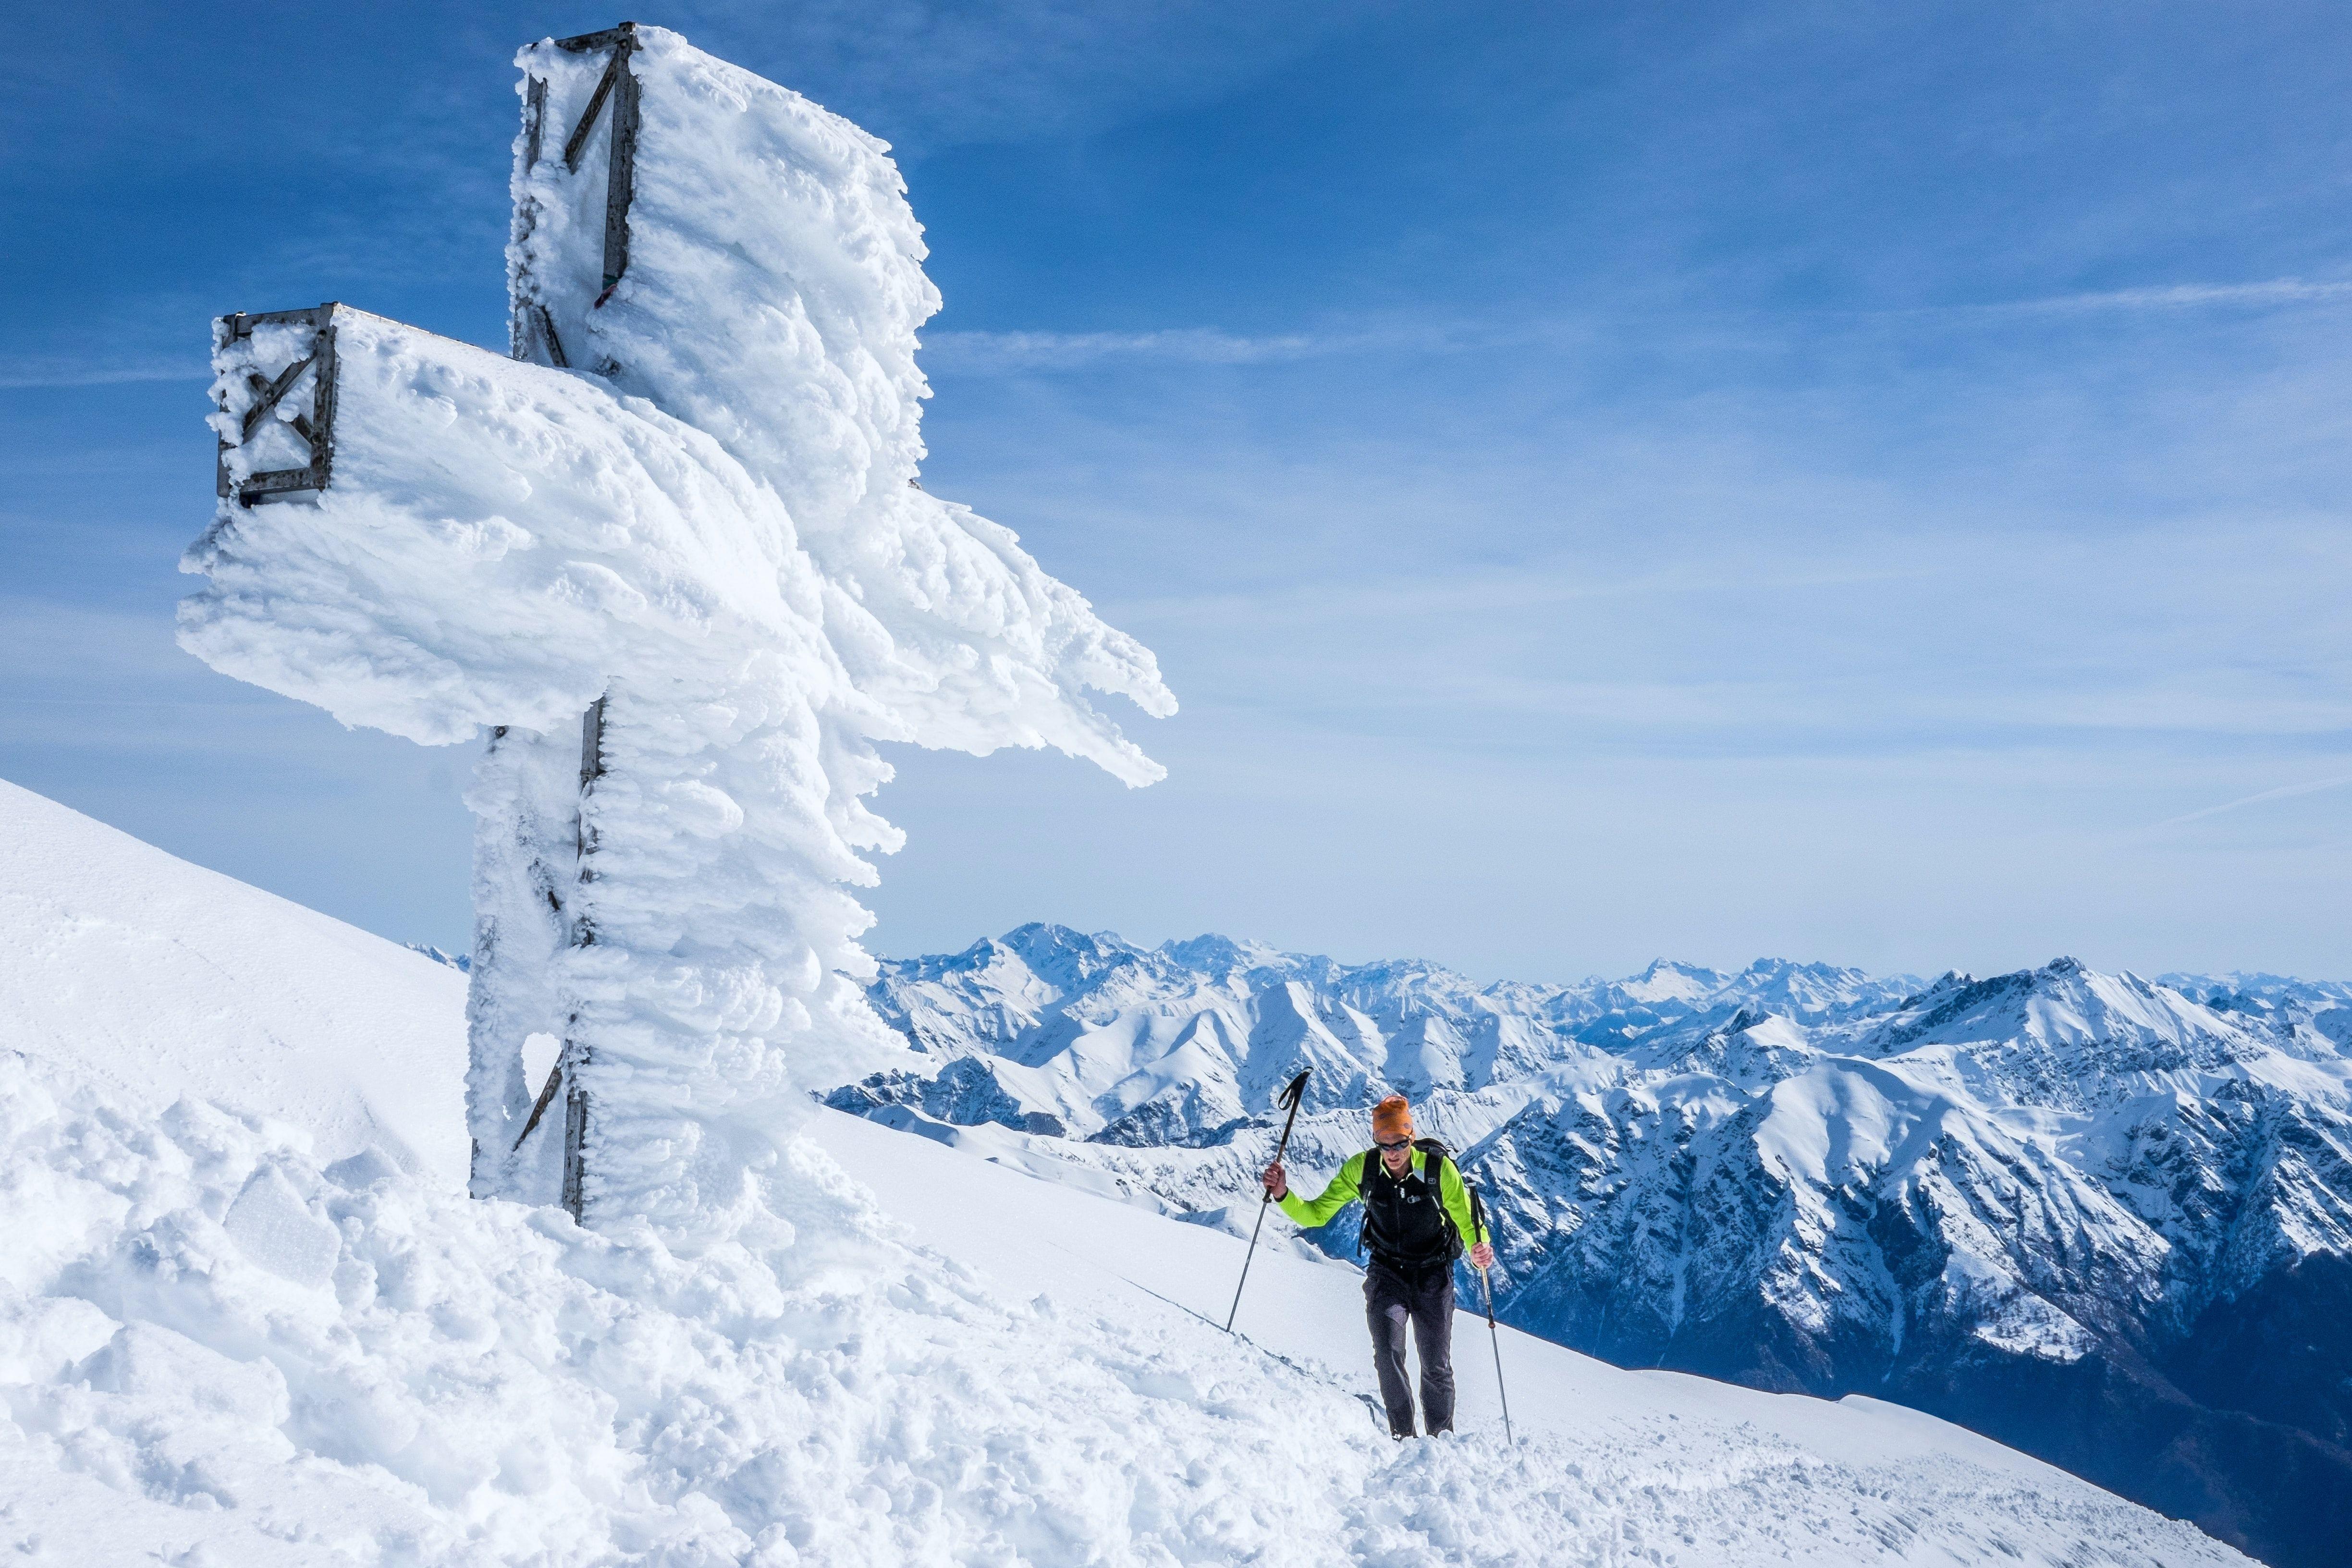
[[160, 979], [710, 521], [219, 1346]]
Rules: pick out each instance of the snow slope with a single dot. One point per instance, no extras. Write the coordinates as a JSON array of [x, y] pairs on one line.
[[164, 979], [218, 1346]]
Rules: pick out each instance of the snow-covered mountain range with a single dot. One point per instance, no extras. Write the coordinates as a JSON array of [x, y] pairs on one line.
[[2103, 1218]]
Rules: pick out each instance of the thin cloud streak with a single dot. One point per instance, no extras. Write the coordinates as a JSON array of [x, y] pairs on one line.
[[981, 352], [999, 352], [2283, 793], [2155, 297], [986, 352], [22, 373], [2178, 296]]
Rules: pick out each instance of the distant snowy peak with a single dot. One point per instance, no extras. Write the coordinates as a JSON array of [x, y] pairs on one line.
[[1813, 991], [1040, 959], [1088, 1036], [1614, 1013], [1665, 981], [1752, 1049], [1221, 955], [2241, 991], [2063, 1034], [1069, 959]]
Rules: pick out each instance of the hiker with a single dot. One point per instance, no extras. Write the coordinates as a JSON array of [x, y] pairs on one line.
[[1416, 1213]]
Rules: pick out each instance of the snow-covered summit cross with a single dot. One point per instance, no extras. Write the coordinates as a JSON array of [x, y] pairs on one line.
[[685, 509]]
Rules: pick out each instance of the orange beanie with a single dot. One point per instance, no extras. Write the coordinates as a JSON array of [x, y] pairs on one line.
[[1393, 1119]]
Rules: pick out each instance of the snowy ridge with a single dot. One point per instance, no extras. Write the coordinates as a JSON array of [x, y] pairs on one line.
[[1094, 1038], [219, 1345], [2051, 1190], [303, 1008]]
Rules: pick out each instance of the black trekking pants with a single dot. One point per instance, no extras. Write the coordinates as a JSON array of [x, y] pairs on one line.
[[1424, 1298]]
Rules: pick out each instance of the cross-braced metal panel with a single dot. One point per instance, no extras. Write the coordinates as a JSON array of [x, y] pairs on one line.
[[618, 87], [616, 91], [294, 354]]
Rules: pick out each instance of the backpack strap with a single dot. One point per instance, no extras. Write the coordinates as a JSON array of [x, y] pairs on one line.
[[1369, 1157], [1434, 1156]]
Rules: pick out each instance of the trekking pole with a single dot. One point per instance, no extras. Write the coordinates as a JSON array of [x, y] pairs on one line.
[[1297, 1087], [1495, 1334], [1487, 1288]]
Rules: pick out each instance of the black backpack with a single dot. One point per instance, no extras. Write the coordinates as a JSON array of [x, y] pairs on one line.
[[1432, 1173]]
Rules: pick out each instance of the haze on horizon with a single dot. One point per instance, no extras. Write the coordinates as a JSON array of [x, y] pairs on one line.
[[1864, 485]]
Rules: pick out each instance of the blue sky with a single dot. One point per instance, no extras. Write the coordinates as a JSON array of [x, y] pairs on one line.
[[1865, 482]]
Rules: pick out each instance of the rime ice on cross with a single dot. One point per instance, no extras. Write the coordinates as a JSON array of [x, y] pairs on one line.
[[684, 509]]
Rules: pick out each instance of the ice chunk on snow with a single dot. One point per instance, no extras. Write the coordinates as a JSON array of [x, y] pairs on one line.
[[269, 1221]]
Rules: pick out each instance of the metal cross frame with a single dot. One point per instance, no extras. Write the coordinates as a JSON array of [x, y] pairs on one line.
[[316, 428], [618, 87]]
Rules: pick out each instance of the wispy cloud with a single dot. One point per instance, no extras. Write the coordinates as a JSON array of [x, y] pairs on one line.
[[2284, 792], [2184, 296], [23, 370], [974, 352], [997, 353], [1067, 351]]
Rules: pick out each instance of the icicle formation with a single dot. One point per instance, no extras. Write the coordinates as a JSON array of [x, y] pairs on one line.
[[705, 529]]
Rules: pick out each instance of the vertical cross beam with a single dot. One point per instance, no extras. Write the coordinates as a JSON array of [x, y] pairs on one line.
[[525, 803], [576, 1052], [619, 86], [534, 337], [533, 329], [550, 904]]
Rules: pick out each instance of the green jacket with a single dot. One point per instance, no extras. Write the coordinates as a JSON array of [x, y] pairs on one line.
[[1350, 1184]]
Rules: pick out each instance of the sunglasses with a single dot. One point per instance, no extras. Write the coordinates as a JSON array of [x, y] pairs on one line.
[[1400, 1144]]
